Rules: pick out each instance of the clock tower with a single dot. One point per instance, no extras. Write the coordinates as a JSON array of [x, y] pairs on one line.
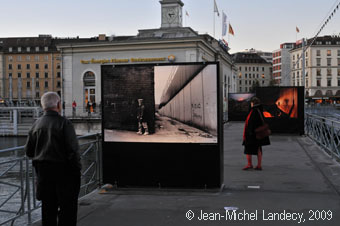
[[171, 13]]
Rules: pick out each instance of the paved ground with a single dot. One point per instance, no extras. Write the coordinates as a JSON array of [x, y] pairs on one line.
[[167, 130], [293, 189]]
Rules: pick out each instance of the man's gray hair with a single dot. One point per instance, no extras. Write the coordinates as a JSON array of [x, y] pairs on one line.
[[50, 100]]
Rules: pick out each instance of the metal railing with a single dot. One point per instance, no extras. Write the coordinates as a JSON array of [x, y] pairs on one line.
[[325, 132], [17, 180], [82, 112]]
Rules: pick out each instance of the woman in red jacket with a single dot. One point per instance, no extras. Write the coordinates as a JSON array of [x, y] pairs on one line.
[[253, 146]]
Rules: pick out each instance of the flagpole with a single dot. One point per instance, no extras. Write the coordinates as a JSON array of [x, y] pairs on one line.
[[214, 20], [295, 36]]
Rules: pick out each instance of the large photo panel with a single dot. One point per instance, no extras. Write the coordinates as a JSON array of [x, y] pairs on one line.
[[170, 104], [162, 125]]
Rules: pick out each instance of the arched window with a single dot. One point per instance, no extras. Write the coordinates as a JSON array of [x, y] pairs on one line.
[[329, 93], [337, 93], [318, 93], [89, 80]]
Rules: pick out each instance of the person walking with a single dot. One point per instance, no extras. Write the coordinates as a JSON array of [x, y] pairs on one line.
[[74, 108], [252, 145], [53, 146]]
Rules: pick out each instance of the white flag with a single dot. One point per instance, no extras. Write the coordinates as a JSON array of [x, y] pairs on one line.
[[216, 9], [224, 24]]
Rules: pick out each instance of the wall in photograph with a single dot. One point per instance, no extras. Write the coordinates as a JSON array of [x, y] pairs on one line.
[[194, 103], [123, 86], [239, 106], [283, 108]]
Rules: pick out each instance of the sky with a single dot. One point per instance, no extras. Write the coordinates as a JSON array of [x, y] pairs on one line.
[[259, 24]]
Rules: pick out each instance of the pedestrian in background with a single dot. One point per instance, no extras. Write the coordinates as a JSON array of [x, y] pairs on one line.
[[74, 108], [253, 145], [53, 146]]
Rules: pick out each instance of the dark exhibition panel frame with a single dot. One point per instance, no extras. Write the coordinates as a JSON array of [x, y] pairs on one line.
[[162, 164], [239, 106], [281, 122]]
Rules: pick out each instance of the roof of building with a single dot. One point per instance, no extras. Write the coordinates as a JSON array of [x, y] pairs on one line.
[[248, 58], [20, 44], [154, 35], [33, 42], [324, 40]]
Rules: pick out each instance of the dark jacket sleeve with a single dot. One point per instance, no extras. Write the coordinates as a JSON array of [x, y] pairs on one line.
[[30, 144], [72, 146], [254, 122]]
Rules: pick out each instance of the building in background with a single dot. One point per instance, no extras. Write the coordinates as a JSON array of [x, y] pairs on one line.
[[30, 67], [170, 43], [281, 64], [322, 66], [2, 78], [268, 56], [252, 71]]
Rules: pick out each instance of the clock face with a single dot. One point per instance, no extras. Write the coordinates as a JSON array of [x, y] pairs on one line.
[[170, 14]]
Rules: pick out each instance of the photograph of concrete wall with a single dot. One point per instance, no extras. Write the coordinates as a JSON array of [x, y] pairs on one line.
[[283, 108], [239, 106], [146, 103]]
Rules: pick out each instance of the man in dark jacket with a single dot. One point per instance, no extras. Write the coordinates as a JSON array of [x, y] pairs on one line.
[[53, 145], [142, 117]]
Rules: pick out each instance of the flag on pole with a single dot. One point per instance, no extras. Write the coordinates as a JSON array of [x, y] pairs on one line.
[[231, 30], [186, 13], [224, 24], [297, 30], [216, 9]]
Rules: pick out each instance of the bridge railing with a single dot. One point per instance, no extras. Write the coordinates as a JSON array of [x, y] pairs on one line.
[[18, 180], [325, 132]]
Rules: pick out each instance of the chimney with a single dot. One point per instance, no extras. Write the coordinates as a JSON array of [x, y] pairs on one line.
[[102, 37]]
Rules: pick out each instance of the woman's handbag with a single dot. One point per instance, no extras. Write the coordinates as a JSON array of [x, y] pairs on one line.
[[262, 131]]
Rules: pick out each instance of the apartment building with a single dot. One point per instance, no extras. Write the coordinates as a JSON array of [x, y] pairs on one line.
[[281, 64], [1, 74], [322, 68], [30, 67], [253, 71], [268, 56]]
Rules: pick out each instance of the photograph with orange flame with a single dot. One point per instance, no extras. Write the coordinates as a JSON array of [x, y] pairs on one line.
[[286, 105]]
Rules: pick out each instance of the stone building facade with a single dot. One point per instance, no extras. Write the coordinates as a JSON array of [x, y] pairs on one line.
[[252, 71], [169, 44], [322, 68]]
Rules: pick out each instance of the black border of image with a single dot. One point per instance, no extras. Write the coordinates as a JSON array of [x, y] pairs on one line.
[[165, 165]]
